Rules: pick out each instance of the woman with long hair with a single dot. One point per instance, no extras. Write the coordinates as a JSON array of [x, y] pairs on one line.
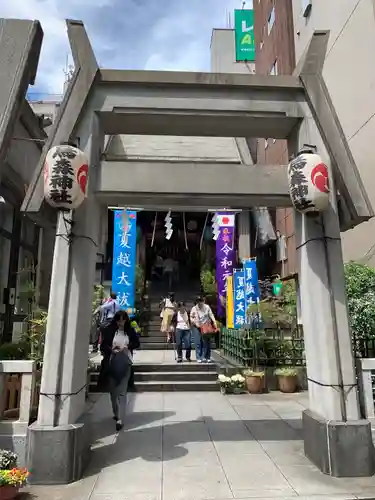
[[169, 308], [119, 340]]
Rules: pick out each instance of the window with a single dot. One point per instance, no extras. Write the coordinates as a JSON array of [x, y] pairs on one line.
[[271, 20], [273, 70]]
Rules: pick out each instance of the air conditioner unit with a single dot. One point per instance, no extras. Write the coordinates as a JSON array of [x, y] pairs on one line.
[[307, 6]]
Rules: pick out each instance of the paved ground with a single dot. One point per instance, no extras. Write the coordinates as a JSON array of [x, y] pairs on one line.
[[204, 446]]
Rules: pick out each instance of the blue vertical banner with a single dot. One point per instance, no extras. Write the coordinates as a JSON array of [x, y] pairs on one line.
[[251, 282], [124, 260], [239, 298]]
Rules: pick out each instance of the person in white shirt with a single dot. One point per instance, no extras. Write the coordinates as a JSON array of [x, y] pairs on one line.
[[201, 314], [181, 324]]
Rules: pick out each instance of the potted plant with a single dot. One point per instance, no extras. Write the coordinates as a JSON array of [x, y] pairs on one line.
[[224, 382], [254, 381], [287, 379], [238, 383], [231, 385], [12, 478]]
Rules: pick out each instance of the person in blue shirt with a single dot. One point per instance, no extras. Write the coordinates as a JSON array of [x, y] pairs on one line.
[[109, 308], [105, 312]]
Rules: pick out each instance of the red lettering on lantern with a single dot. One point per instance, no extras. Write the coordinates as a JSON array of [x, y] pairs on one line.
[[319, 177], [82, 177]]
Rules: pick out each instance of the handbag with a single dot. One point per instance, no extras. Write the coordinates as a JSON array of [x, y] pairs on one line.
[[119, 365], [207, 329]]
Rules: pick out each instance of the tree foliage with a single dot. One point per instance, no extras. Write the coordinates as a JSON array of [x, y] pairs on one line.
[[360, 289], [208, 281]]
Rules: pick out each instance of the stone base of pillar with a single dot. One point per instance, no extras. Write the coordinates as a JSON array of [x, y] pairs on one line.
[[57, 455], [339, 449]]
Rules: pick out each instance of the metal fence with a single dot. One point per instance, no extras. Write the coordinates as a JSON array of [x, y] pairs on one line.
[[277, 346], [268, 347], [364, 347]]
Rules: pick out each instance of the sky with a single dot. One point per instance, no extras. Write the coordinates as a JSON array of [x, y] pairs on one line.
[[125, 34]]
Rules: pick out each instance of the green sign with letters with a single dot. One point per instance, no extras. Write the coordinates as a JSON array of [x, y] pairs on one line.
[[244, 35]]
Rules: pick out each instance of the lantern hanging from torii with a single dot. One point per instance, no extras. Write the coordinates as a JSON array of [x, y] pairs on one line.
[[308, 178], [65, 177]]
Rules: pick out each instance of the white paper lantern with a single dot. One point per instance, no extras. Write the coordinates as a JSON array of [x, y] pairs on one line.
[[308, 182], [65, 177]]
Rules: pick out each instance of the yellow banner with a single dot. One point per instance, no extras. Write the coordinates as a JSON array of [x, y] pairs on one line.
[[230, 304]]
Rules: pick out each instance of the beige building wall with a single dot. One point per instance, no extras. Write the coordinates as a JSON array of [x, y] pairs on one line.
[[349, 73]]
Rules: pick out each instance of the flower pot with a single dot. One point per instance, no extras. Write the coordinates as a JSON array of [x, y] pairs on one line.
[[288, 383], [255, 385], [223, 389], [8, 492]]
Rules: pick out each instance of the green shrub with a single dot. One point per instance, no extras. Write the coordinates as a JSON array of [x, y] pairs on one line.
[[208, 281], [11, 351], [360, 290], [286, 372]]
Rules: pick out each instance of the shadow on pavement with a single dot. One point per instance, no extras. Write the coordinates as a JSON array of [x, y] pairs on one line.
[[150, 441]]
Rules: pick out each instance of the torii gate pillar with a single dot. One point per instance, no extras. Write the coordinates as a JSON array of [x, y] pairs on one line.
[[336, 439]]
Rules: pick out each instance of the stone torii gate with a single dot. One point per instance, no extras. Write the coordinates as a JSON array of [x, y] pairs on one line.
[[102, 102]]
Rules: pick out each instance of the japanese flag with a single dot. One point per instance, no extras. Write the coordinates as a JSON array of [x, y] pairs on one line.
[[225, 220]]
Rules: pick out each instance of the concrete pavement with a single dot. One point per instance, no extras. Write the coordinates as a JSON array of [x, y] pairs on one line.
[[203, 446]]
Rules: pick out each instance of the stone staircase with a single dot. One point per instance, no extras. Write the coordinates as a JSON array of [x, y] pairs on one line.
[[153, 339], [167, 376]]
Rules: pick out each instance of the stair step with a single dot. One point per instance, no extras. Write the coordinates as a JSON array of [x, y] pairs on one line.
[[156, 346], [167, 376], [174, 367], [185, 368], [177, 376], [158, 386], [183, 386], [152, 338]]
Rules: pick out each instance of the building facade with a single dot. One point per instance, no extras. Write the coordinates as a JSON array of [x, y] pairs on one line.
[[20, 237], [350, 77], [274, 38], [283, 30]]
